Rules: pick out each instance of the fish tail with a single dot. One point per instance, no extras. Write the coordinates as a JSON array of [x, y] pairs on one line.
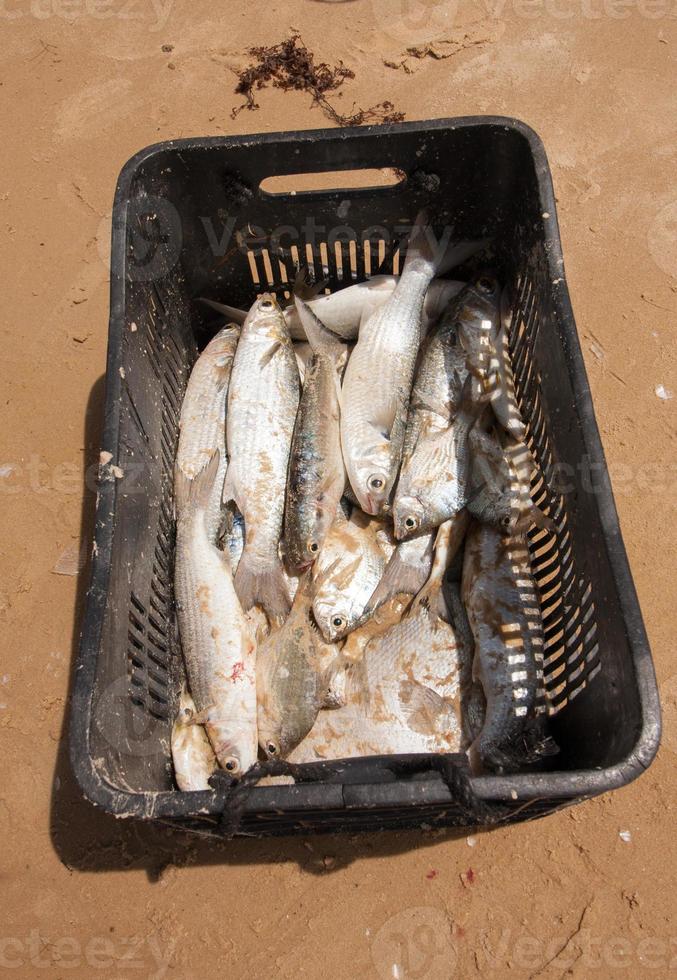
[[439, 254], [399, 578], [320, 338], [259, 584], [193, 493], [232, 312]]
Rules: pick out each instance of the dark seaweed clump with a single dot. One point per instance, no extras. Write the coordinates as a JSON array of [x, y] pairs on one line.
[[290, 65]]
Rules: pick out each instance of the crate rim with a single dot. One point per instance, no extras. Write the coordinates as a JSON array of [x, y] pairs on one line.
[[565, 785]]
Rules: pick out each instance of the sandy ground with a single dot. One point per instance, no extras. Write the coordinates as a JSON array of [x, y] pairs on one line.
[[84, 86]]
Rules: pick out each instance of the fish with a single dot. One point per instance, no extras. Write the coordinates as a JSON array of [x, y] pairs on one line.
[[484, 325], [294, 671], [202, 423], [218, 647], [192, 754], [501, 599], [403, 696], [435, 481], [316, 478], [380, 372], [438, 383], [263, 398], [501, 482], [343, 311], [346, 573]]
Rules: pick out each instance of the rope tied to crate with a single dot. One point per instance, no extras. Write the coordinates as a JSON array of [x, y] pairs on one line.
[[455, 777]]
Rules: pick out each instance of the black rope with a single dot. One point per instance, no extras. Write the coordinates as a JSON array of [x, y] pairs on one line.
[[454, 775]]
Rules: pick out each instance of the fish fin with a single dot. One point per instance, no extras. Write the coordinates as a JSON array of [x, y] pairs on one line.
[[194, 492], [262, 585], [398, 578], [442, 255], [303, 287], [232, 312], [321, 339], [270, 353], [342, 580], [422, 707], [230, 489], [336, 678], [199, 717]]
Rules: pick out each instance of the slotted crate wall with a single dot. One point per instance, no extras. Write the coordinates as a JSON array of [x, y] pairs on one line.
[[190, 221]]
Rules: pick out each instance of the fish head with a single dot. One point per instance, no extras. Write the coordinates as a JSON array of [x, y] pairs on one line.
[[408, 517], [483, 296], [279, 732], [267, 319], [234, 747], [372, 485], [333, 614]]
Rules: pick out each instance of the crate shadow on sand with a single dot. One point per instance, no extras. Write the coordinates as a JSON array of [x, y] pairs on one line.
[[87, 839]]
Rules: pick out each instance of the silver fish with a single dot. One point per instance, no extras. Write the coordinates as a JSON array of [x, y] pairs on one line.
[[438, 385], [344, 310], [192, 754], [316, 477], [501, 599], [218, 648], [380, 372], [262, 401], [295, 670], [435, 480], [202, 426], [346, 573]]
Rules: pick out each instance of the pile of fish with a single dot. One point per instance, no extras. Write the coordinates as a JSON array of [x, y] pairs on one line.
[[352, 498]]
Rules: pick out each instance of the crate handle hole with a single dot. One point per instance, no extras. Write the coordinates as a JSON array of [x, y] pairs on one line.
[[332, 180]]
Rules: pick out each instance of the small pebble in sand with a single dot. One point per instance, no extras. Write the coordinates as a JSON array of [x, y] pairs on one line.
[[471, 841], [625, 836], [663, 393]]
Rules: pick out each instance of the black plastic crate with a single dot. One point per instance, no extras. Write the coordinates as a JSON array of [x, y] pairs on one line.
[[191, 220]]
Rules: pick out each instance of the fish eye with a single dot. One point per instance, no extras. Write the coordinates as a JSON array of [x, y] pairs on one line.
[[410, 522], [485, 284], [313, 547], [232, 764], [271, 748], [376, 482], [505, 521], [337, 621]]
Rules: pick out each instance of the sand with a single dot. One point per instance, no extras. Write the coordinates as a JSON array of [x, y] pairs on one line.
[[587, 892]]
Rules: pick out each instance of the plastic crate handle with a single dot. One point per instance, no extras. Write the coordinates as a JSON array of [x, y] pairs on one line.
[[454, 776]]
